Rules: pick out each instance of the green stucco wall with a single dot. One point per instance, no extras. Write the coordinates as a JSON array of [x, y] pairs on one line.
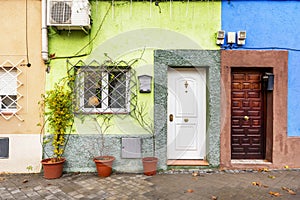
[[128, 31]]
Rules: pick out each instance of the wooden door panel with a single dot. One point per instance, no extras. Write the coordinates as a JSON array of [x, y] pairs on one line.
[[247, 131], [253, 94]]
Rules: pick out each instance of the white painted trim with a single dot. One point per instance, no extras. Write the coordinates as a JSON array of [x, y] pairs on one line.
[[25, 154]]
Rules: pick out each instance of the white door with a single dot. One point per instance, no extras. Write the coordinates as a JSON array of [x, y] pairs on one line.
[[187, 113]]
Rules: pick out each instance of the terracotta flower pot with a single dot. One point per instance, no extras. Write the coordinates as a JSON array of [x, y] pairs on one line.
[[104, 165], [52, 170], [150, 165]]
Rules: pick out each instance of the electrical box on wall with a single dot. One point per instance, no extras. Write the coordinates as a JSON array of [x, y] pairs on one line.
[[4, 147], [131, 148], [241, 37], [145, 83], [231, 37], [220, 37]]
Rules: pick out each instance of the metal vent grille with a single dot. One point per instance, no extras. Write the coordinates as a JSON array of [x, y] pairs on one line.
[[61, 12], [4, 147], [131, 148]]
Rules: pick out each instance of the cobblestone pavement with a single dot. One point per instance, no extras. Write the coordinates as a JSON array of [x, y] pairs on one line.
[[184, 184]]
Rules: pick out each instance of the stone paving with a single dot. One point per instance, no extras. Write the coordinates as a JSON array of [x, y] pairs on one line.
[[179, 184]]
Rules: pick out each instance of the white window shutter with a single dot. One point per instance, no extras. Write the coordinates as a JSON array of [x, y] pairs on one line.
[[8, 82]]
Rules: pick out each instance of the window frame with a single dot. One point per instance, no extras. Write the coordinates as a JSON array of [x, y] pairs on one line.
[[80, 89], [12, 71]]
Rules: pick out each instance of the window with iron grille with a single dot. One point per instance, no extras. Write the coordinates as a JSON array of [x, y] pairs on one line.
[[8, 89], [103, 89]]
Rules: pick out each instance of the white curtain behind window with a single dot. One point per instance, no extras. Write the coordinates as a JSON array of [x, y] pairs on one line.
[[8, 81]]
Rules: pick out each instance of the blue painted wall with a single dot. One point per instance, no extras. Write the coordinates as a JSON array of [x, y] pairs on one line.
[[269, 25]]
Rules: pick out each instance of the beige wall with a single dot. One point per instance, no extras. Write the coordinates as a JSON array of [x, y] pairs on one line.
[[13, 49], [25, 150]]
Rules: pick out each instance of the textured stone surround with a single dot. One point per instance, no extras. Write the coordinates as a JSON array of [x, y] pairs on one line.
[[209, 59]]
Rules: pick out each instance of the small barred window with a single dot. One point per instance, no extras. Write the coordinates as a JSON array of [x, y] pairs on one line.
[[8, 89], [103, 89]]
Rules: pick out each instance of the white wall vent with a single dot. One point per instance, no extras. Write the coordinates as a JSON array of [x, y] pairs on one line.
[[68, 14], [4, 147]]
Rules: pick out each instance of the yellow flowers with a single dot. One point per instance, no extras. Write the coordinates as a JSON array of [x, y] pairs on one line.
[[57, 107]]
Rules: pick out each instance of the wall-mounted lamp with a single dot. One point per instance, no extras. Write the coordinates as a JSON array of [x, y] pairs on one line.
[[241, 36], [145, 83], [220, 37], [269, 78]]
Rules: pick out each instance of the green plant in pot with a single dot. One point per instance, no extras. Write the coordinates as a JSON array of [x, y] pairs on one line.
[[149, 163], [103, 162], [57, 110]]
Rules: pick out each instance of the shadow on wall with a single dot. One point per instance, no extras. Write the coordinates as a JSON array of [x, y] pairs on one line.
[[147, 38]]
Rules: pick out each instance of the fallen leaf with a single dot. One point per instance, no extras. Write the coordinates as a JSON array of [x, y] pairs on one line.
[[270, 176], [214, 197], [189, 191], [2, 179], [275, 194], [290, 191], [256, 183], [259, 184], [263, 170], [25, 181], [286, 167], [195, 174], [284, 188]]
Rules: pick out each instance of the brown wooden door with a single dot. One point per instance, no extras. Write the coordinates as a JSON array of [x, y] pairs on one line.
[[247, 115]]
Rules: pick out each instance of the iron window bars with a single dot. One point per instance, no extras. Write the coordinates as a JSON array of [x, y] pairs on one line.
[[9, 89], [107, 88]]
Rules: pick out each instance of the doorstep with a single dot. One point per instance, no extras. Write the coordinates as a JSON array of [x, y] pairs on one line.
[[251, 162], [188, 162]]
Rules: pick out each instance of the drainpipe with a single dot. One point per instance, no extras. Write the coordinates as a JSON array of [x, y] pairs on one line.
[[44, 32]]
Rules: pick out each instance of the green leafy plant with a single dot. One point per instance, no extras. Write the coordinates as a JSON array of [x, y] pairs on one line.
[[29, 168], [105, 124], [140, 114], [57, 110]]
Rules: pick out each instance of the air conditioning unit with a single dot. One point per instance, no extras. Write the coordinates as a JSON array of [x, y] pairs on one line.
[[68, 14]]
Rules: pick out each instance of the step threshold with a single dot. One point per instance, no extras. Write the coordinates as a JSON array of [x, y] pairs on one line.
[[187, 162], [250, 162]]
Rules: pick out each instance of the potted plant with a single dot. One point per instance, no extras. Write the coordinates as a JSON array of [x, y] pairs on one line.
[[57, 110], [149, 163], [103, 162]]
